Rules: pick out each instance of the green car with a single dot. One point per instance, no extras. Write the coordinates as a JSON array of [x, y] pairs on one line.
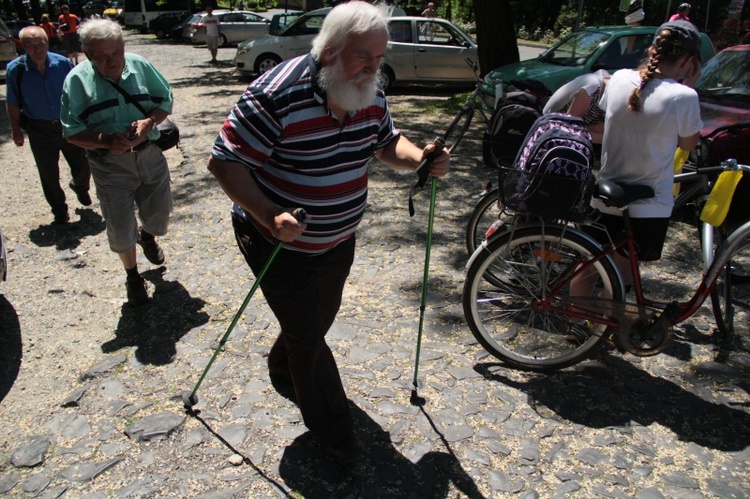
[[585, 51]]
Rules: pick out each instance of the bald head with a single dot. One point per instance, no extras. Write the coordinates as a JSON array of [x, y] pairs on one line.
[[32, 32], [34, 41]]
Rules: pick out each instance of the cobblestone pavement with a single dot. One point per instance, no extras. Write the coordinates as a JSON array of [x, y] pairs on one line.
[[90, 389]]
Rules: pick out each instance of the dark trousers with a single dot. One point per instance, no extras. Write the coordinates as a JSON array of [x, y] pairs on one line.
[[304, 293], [46, 142]]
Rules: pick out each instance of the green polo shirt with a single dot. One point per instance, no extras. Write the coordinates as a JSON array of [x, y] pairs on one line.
[[90, 102]]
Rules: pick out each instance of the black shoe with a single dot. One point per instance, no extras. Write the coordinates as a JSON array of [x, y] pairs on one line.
[[345, 451], [137, 294], [151, 249], [84, 198], [62, 218]]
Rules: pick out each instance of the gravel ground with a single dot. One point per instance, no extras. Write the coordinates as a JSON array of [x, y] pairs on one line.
[[90, 388]]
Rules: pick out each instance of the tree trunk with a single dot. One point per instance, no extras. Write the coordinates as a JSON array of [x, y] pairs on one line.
[[496, 34]]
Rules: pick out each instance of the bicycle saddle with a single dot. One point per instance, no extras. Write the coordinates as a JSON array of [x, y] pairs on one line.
[[619, 195]]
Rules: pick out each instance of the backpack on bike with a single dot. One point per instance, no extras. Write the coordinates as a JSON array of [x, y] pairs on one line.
[[552, 175], [511, 120]]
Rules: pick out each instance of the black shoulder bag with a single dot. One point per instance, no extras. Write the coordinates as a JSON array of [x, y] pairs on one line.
[[169, 134]]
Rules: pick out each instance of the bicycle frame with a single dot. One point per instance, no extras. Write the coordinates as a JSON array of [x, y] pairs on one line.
[[615, 316]]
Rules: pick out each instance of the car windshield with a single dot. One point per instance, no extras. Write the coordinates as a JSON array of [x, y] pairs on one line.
[[726, 75], [305, 25], [575, 49]]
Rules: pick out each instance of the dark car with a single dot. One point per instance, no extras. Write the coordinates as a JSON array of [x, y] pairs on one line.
[[724, 93], [162, 25], [94, 8], [584, 51]]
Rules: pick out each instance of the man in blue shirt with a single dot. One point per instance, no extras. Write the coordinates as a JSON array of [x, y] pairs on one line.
[[34, 82]]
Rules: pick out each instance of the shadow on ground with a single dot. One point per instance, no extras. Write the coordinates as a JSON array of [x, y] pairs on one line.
[[155, 328], [68, 236], [623, 394], [381, 471], [10, 346]]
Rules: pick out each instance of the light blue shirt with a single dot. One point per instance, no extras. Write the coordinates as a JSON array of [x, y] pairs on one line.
[[90, 102]]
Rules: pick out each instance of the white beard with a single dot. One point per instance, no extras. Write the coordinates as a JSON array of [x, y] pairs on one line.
[[353, 94]]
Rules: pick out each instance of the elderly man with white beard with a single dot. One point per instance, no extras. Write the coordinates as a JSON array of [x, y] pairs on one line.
[[301, 136]]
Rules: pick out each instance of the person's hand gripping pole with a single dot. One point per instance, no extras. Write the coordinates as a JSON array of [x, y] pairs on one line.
[[423, 172]]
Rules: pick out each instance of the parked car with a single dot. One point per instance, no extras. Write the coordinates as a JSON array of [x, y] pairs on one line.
[[584, 51], [15, 26], [280, 21], [94, 8], [114, 11], [235, 26], [162, 25], [420, 50], [7, 46], [187, 26], [724, 93]]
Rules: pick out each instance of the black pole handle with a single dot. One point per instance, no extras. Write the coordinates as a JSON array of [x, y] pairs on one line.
[[423, 172], [300, 214]]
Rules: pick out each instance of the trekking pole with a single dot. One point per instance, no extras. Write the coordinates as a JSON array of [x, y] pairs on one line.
[[189, 399], [423, 175]]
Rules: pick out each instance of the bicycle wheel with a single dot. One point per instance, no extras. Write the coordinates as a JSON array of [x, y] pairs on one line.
[[730, 299], [499, 310]]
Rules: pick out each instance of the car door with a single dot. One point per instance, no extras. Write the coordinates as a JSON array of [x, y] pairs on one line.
[[401, 49], [441, 51], [298, 38], [249, 26], [621, 52]]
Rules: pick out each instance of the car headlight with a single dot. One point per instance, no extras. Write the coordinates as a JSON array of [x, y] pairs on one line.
[[242, 50]]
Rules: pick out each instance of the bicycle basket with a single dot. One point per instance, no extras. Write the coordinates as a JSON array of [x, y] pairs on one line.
[[546, 195]]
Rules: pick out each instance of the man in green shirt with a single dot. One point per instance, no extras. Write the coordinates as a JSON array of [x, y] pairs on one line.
[[128, 168]]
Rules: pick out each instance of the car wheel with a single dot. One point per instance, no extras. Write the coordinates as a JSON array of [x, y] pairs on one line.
[[386, 77], [160, 33], [265, 62], [223, 42]]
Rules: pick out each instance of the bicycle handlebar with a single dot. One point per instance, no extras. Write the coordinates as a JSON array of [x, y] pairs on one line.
[[730, 164]]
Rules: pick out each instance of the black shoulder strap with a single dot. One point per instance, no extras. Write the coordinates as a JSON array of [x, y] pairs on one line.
[[20, 70], [129, 98]]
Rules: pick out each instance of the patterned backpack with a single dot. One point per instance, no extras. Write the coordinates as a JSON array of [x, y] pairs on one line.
[[552, 176]]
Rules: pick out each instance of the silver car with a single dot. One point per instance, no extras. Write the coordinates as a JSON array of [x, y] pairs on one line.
[[235, 26], [427, 50], [421, 50], [7, 46]]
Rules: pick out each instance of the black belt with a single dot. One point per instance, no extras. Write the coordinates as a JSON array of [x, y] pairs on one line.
[[44, 122], [141, 146]]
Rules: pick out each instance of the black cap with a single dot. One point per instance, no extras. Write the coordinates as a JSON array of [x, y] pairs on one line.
[[685, 33]]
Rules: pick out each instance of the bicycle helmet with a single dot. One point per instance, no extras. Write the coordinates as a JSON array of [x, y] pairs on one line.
[[683, 6]]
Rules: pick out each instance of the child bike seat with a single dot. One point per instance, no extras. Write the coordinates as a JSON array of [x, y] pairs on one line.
[[619, 195]]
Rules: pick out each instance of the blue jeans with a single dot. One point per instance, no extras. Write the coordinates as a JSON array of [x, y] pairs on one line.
[[304, 293]]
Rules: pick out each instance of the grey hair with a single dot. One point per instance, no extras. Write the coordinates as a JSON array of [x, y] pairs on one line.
[[351, 18], [97, 28], [32, 31]]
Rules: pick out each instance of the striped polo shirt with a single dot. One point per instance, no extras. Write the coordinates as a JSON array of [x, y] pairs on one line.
[[301, 155]]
